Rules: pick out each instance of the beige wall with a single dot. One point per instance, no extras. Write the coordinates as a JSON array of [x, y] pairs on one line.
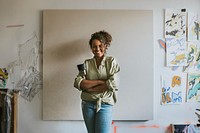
[[65, 44]]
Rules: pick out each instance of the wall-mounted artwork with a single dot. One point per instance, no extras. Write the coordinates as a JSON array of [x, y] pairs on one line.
[[197, 58], [173, 88], [193, 90], [176, 52], [181, 52], [193, 27], [192, 57], [3, 77], [175, 23]]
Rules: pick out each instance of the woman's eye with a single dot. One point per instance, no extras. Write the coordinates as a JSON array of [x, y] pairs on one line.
[[94, 47]]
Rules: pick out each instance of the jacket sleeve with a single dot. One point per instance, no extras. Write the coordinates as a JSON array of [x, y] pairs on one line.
[[78, 80], [113, 74]]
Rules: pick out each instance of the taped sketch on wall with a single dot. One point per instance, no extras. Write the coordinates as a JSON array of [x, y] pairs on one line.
[[28, 53], [193, 27], [192, 57], [193, 91], [28, 61], [176, 52], [173, 88], [175, 23], [30, 84]]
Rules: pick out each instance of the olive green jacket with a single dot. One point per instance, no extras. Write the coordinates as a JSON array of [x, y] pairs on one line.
[[108, 71]]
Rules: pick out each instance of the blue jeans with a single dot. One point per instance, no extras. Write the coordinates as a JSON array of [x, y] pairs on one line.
[[99, 122]]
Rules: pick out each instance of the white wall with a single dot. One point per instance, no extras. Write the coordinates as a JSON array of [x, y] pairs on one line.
[[29, 13]]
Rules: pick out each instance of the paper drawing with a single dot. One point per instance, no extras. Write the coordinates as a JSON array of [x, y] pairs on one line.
[[197, 58], [176, 52], [30, 84], [192, 57], [173, 88], [193, 87], [175, 24], [193, 27], [3, 77], [29, 53], [31, 81]]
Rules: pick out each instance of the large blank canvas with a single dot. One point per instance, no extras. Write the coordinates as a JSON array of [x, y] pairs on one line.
[[65, 44]]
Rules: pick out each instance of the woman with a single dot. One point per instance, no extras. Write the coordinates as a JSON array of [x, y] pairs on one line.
[[98, 85]]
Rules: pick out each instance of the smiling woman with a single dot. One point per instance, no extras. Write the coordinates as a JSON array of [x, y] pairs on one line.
[[66, 35], [98, 85]]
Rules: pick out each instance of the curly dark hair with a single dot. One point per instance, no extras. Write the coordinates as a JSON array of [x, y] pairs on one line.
[[102, 36]]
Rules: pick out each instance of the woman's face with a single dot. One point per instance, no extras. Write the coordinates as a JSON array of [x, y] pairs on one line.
[[98, 48]]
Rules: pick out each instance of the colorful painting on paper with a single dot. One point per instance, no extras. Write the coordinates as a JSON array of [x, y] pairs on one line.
[[176, 52], [197, 58], [175, 24], [192, 57], [3, 77], [193, 90], [173, 88], [193, 27]]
